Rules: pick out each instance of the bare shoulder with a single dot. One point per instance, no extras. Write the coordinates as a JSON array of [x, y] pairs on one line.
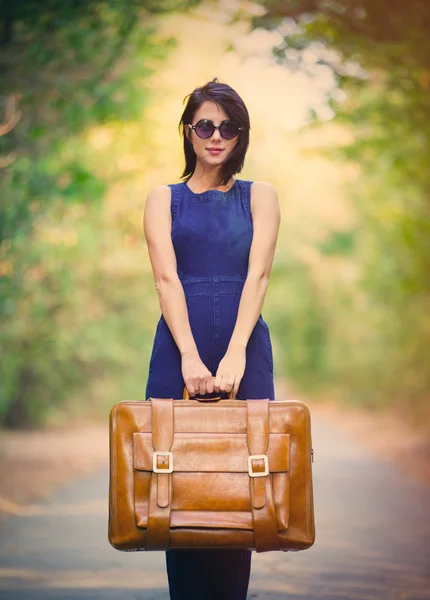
[[263, 192], [157, 208], [263, 186], [159, 192], [158, 199]]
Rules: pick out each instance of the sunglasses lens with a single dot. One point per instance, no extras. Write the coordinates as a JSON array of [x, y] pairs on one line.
[[204, 129], [229, 130]]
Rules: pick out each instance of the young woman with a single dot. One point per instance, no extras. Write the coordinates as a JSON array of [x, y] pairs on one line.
[[211, 240]]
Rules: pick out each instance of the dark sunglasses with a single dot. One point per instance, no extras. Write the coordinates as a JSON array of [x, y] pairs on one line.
[[205, 128]]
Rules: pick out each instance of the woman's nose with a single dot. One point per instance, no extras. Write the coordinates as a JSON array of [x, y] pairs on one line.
[[216, 135]]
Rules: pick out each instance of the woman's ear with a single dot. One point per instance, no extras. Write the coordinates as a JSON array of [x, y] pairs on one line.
[[188, 133]]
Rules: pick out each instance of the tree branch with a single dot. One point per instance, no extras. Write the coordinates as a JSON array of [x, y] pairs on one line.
[[12, 114]]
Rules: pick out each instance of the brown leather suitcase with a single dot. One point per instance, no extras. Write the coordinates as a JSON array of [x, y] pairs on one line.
[[211, 473]]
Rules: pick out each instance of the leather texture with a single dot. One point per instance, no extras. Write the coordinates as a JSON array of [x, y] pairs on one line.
[[224, 473]]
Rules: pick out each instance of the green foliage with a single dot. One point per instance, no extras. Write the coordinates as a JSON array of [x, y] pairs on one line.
[[338, 243], [73, 65], [298, 322], [379, 328]]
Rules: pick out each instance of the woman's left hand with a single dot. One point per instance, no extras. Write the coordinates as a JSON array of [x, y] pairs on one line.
[[230, 370]]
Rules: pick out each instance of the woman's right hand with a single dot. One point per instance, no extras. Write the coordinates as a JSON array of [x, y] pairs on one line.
[[197, 377]]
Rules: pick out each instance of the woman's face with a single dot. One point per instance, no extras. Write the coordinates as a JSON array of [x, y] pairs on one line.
[[210, 110]]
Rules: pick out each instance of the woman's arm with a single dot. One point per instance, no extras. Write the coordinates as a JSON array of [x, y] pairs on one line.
[[157, 224], [266, 218]]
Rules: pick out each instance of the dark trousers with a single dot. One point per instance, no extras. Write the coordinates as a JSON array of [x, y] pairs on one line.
[[208, 574]]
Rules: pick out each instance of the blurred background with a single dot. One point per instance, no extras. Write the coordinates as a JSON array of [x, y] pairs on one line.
[[91, 93], [90, 100]]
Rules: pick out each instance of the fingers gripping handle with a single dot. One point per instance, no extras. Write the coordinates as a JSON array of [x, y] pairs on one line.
[[186, 396]]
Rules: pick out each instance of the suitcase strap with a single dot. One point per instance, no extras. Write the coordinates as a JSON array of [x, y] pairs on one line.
[[262, 505], [160, 487]]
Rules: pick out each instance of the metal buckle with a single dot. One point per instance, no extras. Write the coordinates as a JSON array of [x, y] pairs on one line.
[[266, 465], [168, 469]]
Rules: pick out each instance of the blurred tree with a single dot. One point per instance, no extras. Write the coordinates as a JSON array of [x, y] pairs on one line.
[[379, 53], [71, 64], [12, 115]]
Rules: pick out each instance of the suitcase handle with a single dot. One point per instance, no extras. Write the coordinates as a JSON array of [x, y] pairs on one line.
[[186, 396]]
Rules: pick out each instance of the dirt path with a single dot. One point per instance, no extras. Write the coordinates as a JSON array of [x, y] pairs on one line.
[[34, 463], [373, 535]]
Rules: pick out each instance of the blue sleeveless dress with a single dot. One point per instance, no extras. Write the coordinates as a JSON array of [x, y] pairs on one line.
[[211, 234]]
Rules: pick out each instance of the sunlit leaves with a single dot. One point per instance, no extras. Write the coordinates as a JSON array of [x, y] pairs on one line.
[[382, 63], [76, 65]]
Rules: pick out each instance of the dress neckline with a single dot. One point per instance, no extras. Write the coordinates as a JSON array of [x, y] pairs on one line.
[[212, 191]]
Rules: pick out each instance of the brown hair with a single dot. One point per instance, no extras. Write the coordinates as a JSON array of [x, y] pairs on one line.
[[225, 96]]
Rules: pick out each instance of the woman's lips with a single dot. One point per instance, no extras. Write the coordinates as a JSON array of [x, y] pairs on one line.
[[215, 150]]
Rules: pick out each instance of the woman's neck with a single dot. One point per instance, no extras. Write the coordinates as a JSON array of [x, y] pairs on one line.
[[206, 182]]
